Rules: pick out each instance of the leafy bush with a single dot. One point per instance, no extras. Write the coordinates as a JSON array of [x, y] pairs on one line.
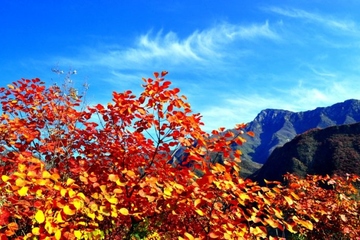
[[66, 176]]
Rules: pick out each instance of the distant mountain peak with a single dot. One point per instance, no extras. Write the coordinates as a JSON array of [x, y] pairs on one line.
[[275, 127]]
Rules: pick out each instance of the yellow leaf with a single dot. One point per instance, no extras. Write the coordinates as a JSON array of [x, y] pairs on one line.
[[21, 167], [244, 196], [59, 218], [68, 211], [78, 203], [91, 215], [113, 177], [201, 213], [227, 236], [112, 200], [23, 191], [295, 196], [71, 193], [196, 202], [167, 191], [20, 182], [36, 231], [305, 223], [69, 181], [63, 192], [46, 174], [120, 183], [288, 200], [58, 234], [189, 236], [78, 234], [95, 195], [5, 178], [124, 211], [93, 206], [104, 211], [82, 196], [10, 86], [290, 227], [39, 216], [103, 188], [258, 232]]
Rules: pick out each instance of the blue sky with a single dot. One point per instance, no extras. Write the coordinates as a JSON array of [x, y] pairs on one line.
[[230, 58]]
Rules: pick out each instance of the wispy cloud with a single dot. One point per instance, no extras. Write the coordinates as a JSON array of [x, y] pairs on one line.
[[161, 48], [326, 20]]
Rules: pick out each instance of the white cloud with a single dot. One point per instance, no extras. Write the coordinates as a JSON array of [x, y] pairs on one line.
[[328, 21], [201, 47]]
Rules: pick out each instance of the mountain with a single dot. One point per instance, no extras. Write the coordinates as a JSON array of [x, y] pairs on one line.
[[274, 128], [333, 150]]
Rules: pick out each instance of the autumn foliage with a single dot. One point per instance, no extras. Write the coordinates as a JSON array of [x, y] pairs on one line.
[[102, 172]]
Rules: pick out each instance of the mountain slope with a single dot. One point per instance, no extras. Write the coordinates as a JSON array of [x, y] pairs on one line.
[[333, 150], [274, 127]]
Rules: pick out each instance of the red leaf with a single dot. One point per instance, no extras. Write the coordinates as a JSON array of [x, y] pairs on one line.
[[156, 74], [164, 73]]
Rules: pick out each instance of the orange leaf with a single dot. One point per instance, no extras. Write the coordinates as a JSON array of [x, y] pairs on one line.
[[213, 235], [251, 134], [13, 226]]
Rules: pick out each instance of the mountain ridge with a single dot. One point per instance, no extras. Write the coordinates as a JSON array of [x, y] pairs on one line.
[[275, 127], [332, 150]]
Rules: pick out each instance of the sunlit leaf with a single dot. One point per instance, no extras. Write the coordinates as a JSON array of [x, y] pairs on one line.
[[23, 191], [189, 236], [213, 235], [167, 191], [69, 211], [78, 234], [288, 200], [20, 182], [5, 178], [196, 202], [69, 181], [201, 213], [124, 211], [58, 234], [46, 174], [112, 200], [39, 216], [113, 177], [36, 231]]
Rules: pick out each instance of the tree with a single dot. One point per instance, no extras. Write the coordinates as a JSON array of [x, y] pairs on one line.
[[65, 175]]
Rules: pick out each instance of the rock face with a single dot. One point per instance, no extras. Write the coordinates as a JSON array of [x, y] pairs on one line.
[[274, 128], [333, 150]]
